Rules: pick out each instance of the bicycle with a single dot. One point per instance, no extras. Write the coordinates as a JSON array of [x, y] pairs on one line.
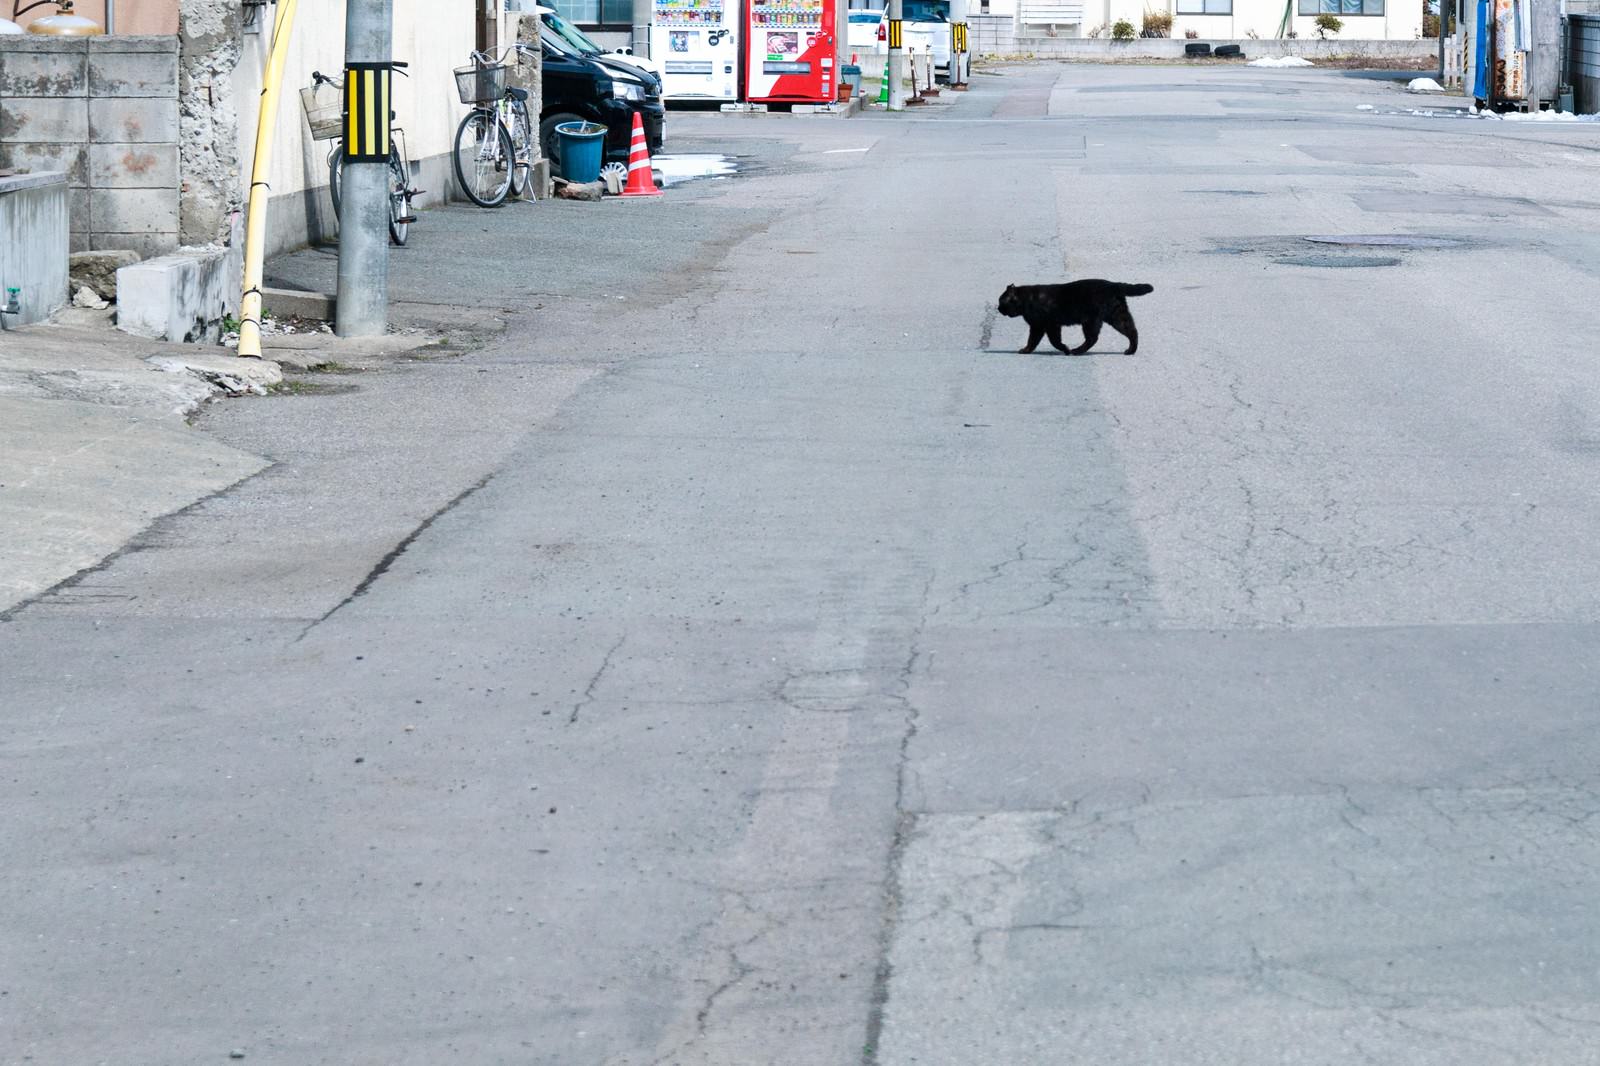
[[497, 138], [326, 117]]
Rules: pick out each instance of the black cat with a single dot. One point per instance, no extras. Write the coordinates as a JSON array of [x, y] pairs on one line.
[[1087, 303]]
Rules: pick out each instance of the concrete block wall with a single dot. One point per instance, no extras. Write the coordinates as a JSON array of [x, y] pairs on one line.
[[991, 35], [104, 110], [33, 244]]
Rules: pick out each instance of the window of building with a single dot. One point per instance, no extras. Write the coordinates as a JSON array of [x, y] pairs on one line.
[[1341, 7], [595, 12], [1206, 7]]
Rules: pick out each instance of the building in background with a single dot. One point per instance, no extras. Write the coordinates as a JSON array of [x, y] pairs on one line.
[[609, 22], [1364, 20]]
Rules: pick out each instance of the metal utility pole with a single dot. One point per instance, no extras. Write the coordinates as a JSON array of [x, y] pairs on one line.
[[958, 43], [364, 192], [897, 56], [641, 28], [1444, 18]]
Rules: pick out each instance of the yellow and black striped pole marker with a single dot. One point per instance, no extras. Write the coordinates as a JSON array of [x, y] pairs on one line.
[[959, 30], [366, 112], [896, 33]]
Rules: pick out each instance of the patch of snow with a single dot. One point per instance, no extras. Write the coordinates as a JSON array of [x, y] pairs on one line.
[[1281, 61], [1365, 107], [1548, 116], [1424, 85]]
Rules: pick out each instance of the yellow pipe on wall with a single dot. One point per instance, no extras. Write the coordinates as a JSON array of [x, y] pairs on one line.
[[255, 227]]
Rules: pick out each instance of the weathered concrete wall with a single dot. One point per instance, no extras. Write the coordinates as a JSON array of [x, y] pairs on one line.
[[33, 244], [1586, 62], [996, 35], [208, 121], [180, 298], [104, 110]]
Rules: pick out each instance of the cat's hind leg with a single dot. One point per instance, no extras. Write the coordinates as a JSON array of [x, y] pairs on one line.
[[1057, 342], [1091, 333], [1035, 335], [1122, 322]]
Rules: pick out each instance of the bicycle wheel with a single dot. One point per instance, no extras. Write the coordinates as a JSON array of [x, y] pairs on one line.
[[335, 176], [399, 201], [524, 146], [483, 159]]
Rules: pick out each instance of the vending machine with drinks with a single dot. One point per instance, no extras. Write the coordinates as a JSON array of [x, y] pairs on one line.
[[696, 44], [791, 54]]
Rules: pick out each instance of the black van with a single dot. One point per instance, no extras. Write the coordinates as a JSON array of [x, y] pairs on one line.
[[598, 89]]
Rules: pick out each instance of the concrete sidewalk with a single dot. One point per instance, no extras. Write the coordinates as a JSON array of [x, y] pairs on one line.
[[95, 442]]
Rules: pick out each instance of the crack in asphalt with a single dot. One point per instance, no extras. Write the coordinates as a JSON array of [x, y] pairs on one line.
[[388, 560], [904, 830], [588, 691]]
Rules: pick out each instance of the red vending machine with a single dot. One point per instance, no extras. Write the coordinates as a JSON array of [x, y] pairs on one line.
[[791, 55]]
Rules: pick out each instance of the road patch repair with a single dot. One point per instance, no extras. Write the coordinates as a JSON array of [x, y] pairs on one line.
[[1341, 251]]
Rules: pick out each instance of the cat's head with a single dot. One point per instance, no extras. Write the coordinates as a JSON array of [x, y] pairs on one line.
[[1010, 305]]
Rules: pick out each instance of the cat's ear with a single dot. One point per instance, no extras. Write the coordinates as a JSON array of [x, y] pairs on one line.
[[1008, 289]]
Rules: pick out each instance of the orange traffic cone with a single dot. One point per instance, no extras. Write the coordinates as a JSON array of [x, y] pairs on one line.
[[640, 181]]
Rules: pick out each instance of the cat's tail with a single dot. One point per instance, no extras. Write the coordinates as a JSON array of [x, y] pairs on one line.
[[1135, 290]]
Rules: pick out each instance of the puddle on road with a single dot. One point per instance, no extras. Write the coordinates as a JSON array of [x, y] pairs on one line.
[[677, 169]]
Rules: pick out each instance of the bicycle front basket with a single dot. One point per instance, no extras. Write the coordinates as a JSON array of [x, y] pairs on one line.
[[324, 106], [481, 85]]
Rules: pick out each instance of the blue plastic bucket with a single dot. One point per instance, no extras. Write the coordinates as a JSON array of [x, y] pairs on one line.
[[583, 145], [850, 74]]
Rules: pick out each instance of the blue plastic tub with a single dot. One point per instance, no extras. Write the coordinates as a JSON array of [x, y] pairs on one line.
[[850, 74], [583, 145]]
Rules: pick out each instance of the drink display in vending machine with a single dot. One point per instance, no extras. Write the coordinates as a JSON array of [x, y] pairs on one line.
[[792, 54], [696, 43]]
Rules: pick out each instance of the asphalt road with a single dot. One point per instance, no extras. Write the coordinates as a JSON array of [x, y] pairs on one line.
[[746, 658]]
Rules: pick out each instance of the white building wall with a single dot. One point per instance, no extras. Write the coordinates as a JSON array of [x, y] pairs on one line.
[[434, 36]]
